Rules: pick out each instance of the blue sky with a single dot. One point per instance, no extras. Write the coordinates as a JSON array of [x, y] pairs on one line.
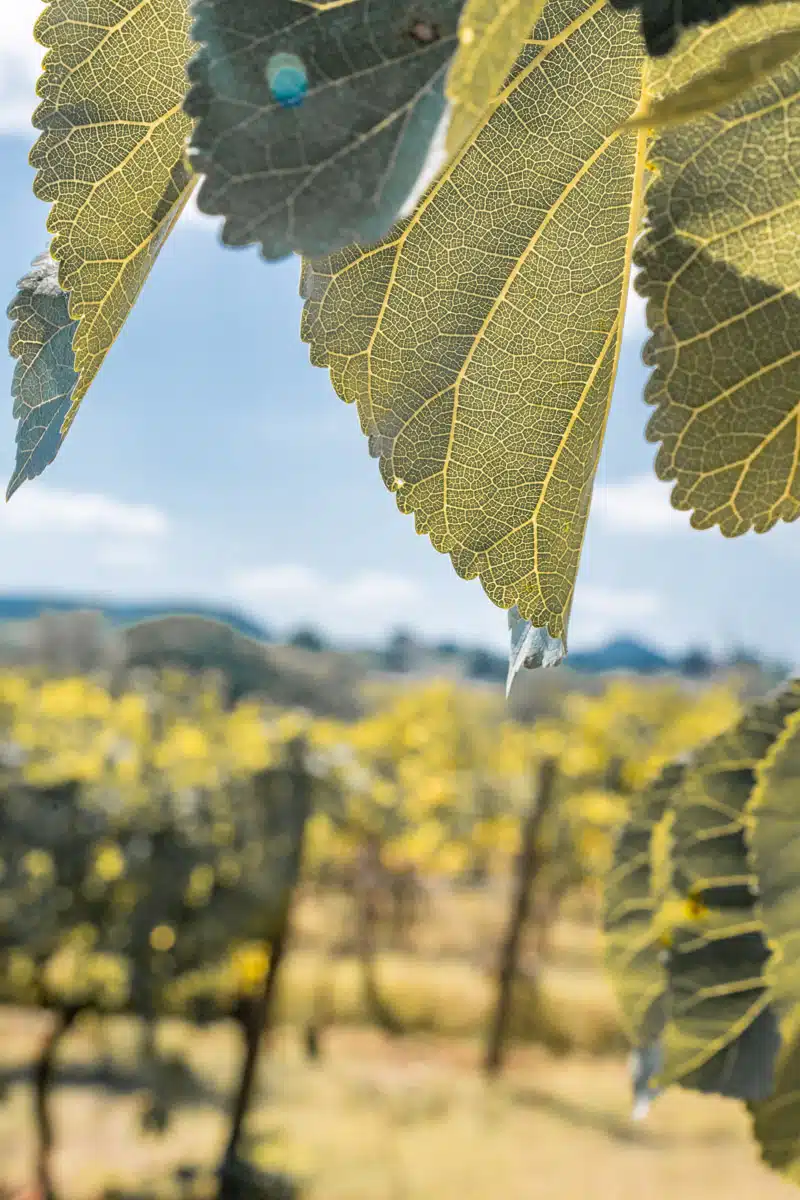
[[211, 461]]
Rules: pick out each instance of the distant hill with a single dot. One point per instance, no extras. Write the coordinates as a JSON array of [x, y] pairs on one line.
[[622, 654], [401, 654], [27, 608]]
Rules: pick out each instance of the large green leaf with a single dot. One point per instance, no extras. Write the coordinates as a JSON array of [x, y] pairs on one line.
[[716, 968], [709, 853], [632, 897], [721, 1033], [44, 377], [773, 835], [664, 20], [111, 155], [720, 270], [480, 339], [776, 1120], [490, 35], [332, 158], [739, 70]]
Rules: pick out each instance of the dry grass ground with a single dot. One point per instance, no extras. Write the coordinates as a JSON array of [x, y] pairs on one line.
[[441, 980], [395, 1120]]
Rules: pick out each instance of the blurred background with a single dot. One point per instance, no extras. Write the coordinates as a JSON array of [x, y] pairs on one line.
[[263, 791]]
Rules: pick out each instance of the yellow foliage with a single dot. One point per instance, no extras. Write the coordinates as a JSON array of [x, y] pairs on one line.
[[250, 963], [436, 773], [201, 882], [39, 864], [109, 862], [162, 938]]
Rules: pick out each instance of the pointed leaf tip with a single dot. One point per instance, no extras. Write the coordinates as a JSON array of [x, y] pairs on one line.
[[455, 411], [111, 156], [44, 377], [531, 647]]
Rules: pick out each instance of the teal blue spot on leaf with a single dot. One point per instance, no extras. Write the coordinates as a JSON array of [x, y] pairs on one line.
[[287, 79]]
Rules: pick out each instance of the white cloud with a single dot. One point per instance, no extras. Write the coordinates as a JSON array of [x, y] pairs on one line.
[[640, 505], [20, 62], [134, 555], [268, 584], [363, 605], [602, 612], [40, 510], [376, 589], [622, 604]]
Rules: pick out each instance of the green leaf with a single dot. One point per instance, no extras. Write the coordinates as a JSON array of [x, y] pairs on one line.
[[663, 22], [721, 1034], [740, 69], [491, 35], [44, 377], [719, 268], [745, 1068], [773, 836], [709, 854], [717, 982], [776, 1120], [633, 894], [111, 156], [334, 161], [480, 339]]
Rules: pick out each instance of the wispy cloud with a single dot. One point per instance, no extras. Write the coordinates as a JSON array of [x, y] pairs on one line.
[[640, 505], [41, 510], [602, 612], [131, 555], [365, 604]]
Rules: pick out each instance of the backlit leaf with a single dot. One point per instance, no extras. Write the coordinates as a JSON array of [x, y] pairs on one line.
[[718, 988], [334, 160], [480, 339], [490, 35], [774, 842], [720, 270], [721, 1034], [664, 20], [44, 377], [111, 155], [740, 69], [776, 1120], [632, 896]]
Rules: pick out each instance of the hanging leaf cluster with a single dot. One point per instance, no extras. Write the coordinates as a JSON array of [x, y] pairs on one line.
[[700, 923], [470, 184]]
